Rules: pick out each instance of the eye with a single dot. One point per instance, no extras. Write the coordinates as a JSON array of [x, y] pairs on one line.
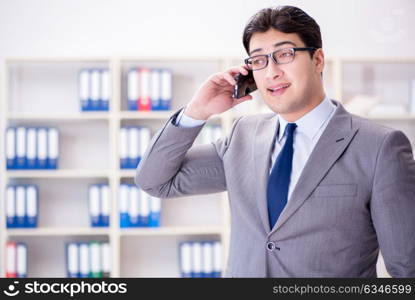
[[258, 61]]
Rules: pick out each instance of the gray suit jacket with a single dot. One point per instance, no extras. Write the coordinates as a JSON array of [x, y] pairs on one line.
[[356, 194]]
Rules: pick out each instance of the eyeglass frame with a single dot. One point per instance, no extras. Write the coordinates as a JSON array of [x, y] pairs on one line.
[[271, 55]]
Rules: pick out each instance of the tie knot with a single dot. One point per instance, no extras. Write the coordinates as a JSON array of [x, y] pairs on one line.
[[289, 129]]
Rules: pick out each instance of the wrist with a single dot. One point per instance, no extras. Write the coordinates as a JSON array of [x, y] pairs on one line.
[[195, 114]]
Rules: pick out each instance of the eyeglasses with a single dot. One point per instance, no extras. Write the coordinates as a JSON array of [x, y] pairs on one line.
[[280, 56]]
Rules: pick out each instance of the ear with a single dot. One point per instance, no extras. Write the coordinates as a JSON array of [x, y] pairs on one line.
[[318, 60]]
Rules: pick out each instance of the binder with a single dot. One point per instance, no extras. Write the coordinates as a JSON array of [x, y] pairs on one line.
[[207, 261], [21, 260], [21, 150], [11, 206], [155, 208], [20, 206], [72, 260], [53, 148], [145, 137], [133, 207], [166, 89], [144, 210], [11, 148], [124, 148], [105, 90], [31, 148], [105, 206], [95, 257], [84, 83], [11, 268], [124, 202], [132, 89], [133, 147], [106, 260], [185, 256], [217, 259], [94, 207], [42, 148], [144, 103], [155, 96], [31, 206], [197, 259], [95, 89], [84, 260]]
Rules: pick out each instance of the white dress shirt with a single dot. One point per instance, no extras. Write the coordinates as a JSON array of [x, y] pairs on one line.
[[309, 130]]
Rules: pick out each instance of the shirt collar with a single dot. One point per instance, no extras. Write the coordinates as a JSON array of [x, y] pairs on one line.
[[311, 122]]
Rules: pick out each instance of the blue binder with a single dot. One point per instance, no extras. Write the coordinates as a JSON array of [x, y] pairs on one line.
[[11, 156], [132, 89], [20, 206], [42, 148], [166, 89], [31, 148], [155, 212], [72, 260], [185, 259], [104, 206], [52, 148], [21, 149], [32, 206], [11, 206], [124, 147], [84, 88], [105, 90], [21, 260], [123, 205], [94, 204]]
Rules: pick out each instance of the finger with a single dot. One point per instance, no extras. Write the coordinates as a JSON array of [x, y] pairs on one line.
[[243, 99], [229, 78], [239, 69]]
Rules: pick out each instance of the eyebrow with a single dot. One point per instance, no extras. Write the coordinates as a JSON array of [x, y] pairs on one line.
[[275, 45]]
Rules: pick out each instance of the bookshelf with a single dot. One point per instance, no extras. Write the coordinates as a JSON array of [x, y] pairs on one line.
[[89, 154]]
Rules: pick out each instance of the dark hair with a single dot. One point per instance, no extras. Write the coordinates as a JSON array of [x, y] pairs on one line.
[[287, 19]]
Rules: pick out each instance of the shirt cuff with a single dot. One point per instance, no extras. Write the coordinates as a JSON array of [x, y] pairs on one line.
[[185, 121]]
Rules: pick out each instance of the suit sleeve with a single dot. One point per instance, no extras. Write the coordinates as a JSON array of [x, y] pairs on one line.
[[393, 204], [171, 167]]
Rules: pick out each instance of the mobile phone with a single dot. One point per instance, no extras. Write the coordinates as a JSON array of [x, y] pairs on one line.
[[245, 84]]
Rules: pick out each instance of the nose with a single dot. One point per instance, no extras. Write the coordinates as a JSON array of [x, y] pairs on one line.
[[273, 70]]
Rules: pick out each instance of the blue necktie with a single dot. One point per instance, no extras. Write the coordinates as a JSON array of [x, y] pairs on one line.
[[279, 179]]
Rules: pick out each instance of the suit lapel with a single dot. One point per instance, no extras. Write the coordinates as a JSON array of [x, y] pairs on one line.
[[263, 146], [332, 143]]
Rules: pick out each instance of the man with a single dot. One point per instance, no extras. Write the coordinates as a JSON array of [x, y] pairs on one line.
[[314, 191]]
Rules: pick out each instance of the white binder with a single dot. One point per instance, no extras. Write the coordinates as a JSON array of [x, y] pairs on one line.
[[123, 147], [95, 259], [21, 260], [21, 150], [95, 89], [31, 148], [144, 208], [53, 147], [20, 205], [72, 259], [217, 258], [186, 259], [84, 260], [166, 89], [11, 206], [124, 193], [197, 259], [132, 89], [155, 79], [11, 147], [133, 146], [133, 206], [106, 259], [31, 206], [84, 89], [207, 254], [11, 267], [145, 137], [42, 147], [105, 89], [94, 200], [105, 205]]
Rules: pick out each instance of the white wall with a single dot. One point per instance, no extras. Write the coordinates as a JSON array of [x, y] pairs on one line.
[[364, 28]]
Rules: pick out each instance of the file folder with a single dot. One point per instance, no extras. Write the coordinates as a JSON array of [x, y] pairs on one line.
[[11, 207], [197, 259], [155, 208], [144, 210], [217, 259], [42, 147], [124, 148], [105, 206], [94, 205], [186, 259], [207, 254], [21, 260], [31, 148], [133, 207], [95, 257], [11, 156], [95, 89], [21, 150], [133, 147], [84, 260], [31, 206], [144, 103], [84, 84], [145, 137], [124, 202], [105, 90], [166, 89], [53, 148], [11, 268], [20, 206], [72, 260], [132, 89], [155, 95], [106, 260]]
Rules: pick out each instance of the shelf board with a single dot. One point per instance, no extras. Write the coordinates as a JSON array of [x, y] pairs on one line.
[[127, 173], [57, 173], [146, 115], [56, 231], [59, 117], [171, 231]]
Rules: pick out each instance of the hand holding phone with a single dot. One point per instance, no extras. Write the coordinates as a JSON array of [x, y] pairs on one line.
[[245, 84]]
